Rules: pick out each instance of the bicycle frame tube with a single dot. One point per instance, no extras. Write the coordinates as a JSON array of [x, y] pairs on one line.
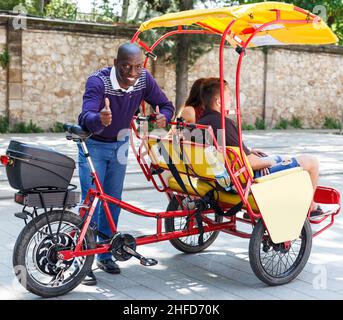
[[98, 186]]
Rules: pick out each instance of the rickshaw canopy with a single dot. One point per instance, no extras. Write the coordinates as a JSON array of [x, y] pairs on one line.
[[289, 28]]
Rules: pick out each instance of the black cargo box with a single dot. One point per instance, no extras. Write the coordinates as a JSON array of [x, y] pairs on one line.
[[38, 167]]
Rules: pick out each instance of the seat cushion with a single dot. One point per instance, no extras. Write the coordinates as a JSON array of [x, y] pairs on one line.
[[203, 186]]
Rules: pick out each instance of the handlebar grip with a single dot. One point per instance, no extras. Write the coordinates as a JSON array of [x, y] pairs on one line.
[[151, 55], [149, 118]]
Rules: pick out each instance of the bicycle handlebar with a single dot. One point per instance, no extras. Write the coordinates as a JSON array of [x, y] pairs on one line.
[[179, 122]]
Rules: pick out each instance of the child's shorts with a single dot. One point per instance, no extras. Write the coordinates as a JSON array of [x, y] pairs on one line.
[[281, 164]]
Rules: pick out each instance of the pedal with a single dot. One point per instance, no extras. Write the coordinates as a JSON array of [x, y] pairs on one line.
[[147, 262]]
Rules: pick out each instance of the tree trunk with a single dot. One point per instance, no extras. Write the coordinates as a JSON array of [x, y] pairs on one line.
[[42, 5], [182, 52], [125, 10]]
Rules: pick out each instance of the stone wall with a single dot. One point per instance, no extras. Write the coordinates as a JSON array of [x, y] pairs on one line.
[[50, 63], [3, 73], [252, 79], [305, 84], [55, 71]]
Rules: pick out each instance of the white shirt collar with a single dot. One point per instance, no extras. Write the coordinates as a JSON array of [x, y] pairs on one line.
[[115, 83]]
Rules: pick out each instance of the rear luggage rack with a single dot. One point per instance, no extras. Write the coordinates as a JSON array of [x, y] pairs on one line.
[[48, 197]]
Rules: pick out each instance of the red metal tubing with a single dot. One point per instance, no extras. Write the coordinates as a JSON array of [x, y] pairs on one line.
[[221, 72], [326, 227], [271, 23], [179, 234], [306, 12], [143, 45], [221, 75], [171, 33], [238, 113], [86, 224], [104, 204], [69, 254], [135, 36], [143, 166], [179, 31], [240, 234], [164, 214]]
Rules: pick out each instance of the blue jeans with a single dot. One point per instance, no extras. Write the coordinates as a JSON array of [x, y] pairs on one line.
[[110, 160]]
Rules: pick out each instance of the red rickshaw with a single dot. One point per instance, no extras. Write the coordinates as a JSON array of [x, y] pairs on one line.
[[56, 249]]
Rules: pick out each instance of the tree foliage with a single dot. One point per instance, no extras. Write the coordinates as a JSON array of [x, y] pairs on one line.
[[64, 9], [9, 4]]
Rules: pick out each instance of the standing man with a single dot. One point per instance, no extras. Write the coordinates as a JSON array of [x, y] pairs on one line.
[[111, 98]]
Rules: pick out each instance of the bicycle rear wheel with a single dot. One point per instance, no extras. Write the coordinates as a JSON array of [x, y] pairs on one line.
[[189, 244], [277, 264], [35, 254]]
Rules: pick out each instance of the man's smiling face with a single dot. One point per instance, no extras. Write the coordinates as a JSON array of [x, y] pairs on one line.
[[128, 69]]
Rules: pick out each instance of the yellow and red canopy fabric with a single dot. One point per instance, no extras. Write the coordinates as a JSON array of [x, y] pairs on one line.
[[248, 18]]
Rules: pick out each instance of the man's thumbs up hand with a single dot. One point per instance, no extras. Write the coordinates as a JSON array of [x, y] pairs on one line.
[[161, 120], [106, 113]]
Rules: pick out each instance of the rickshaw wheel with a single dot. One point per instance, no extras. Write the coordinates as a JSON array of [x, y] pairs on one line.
[[188, 244], [276, 264], [35, 254]]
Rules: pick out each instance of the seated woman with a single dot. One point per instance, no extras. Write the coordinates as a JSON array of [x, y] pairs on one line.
[[194, 108], [191, 113], [210, 95]]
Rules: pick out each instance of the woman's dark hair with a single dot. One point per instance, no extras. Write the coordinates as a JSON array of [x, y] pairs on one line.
[[194, 98], [209, 90]]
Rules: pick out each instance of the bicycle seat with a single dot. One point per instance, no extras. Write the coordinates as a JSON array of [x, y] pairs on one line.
[[77, 131]]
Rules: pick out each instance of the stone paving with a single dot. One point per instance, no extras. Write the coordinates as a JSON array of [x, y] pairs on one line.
[[222, 272]]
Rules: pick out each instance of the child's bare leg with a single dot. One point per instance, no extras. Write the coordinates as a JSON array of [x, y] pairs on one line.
[[311, 165]]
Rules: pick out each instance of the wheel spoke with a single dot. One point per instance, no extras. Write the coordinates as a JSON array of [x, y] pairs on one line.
[[41, 256], [278, 261], [190, 244], [192, 240]]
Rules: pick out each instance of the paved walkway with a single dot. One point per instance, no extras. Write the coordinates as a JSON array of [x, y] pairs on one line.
[[220, 272]]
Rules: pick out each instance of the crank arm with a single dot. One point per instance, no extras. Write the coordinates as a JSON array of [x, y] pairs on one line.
[[148, 262]]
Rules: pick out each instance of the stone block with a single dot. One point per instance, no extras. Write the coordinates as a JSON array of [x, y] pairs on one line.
[[3, 76], [14, 91], [15, 75], [3, 100], [14, 49], [14, 35], [3, 38], [15, 62], [15, 105]]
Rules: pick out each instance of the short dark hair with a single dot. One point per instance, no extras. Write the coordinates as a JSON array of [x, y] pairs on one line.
[[210, 89]]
